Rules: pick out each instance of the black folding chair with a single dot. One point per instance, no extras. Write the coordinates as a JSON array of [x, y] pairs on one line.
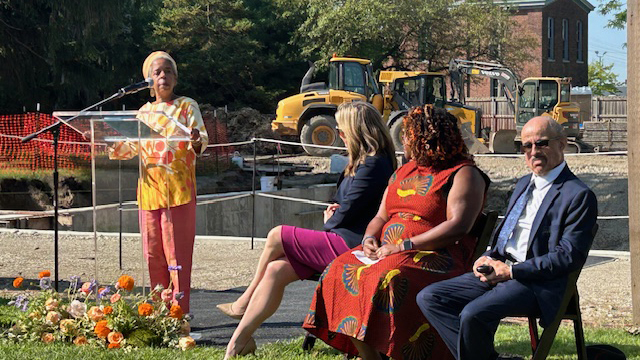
[[482, 230], [569, 310]]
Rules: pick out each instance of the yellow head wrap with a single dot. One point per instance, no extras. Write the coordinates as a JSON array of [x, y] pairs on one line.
[[146, 66]]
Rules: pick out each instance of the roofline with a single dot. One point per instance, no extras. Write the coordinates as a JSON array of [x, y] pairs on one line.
[[535, 4]]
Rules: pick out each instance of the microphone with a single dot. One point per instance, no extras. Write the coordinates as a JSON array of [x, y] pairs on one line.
[[134, 88]]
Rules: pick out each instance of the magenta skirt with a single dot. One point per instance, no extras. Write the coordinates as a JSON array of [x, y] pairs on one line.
[[310, 251]]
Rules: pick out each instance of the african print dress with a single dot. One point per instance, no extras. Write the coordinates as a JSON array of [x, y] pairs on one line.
[[377, 303]]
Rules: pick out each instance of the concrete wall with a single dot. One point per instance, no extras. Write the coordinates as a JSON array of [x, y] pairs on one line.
[[228, 218]]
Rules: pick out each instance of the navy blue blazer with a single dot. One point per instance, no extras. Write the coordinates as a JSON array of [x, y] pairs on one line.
[[359, 197], [560, 239]]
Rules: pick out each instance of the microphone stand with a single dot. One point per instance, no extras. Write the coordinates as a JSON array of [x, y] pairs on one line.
[[54, 129]]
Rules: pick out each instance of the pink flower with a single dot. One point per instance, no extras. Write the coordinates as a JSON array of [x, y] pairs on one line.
[[86, 288], [95, 313], [115, 298], [77, 309], [51, 304], [53, 317], [166, 295], [186, 343]]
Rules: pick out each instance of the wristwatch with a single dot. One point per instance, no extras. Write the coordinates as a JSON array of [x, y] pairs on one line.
[[406, 245]]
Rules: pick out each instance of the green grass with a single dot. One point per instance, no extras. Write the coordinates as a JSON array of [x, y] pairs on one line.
[[513, 339]]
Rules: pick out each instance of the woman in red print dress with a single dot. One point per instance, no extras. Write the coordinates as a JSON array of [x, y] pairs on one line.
[[167, 186], [365, 301]]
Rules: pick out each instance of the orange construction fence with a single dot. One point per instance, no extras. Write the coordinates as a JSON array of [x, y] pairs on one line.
[[73, 150]]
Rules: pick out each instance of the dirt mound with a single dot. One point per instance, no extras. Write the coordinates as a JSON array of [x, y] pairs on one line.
[[247, 123]]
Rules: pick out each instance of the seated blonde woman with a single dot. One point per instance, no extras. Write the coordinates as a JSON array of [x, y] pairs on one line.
[[366, 305], [293, 253]]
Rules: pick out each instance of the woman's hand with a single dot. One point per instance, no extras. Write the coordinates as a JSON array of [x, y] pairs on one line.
[[387, 250], [370, 246], [195, 135], [328, 213]]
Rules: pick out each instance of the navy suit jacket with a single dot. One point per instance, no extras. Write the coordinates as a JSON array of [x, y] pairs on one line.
[[359, 197], [561, 236]]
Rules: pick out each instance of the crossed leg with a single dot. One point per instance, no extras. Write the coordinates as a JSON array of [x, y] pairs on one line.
[[263, 296]]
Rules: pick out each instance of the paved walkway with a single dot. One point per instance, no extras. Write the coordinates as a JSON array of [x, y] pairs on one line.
[[216, 328]]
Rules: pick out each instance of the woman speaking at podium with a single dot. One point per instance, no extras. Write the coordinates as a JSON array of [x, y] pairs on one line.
[[167, 185]]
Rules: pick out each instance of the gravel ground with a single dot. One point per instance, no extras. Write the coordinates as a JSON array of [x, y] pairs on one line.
[[219, 265]]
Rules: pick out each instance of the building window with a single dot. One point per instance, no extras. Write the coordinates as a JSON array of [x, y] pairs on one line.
[[580, 56], [565, 39], [550, 34], [496, 88]]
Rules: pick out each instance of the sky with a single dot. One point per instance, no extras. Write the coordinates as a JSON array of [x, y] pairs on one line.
[[607, 43]]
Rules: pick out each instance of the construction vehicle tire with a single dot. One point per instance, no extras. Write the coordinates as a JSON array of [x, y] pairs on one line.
[[320, 130], [397, 130], [503, 142]]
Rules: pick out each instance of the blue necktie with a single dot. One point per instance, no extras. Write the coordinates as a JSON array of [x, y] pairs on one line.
[[512, 219]]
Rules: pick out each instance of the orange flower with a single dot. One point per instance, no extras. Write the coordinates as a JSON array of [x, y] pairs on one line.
[[145, 309], [125, 282], [115, 337], [47, 338], [101, 329], [17, 282], [114, 346], [80, 340], [176, 312], [107, 310], [45, 273]]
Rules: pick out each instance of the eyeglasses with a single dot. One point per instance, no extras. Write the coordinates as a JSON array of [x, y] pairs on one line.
[[540, 144]]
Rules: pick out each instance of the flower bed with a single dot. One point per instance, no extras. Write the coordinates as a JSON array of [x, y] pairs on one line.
[[88, 314]]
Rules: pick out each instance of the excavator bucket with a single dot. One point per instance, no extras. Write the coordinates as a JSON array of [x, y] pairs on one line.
[[474, 145]]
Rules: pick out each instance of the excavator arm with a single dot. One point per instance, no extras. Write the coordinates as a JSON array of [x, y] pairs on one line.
[[458, 68]]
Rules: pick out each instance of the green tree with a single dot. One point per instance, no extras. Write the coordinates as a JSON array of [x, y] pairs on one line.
[[67, 54], [229, 52], [602, 79], [409, 34], [619, 11]]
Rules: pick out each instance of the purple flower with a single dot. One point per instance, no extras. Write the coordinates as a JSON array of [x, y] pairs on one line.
[[92, 285], [104, 292], [177, 267], [21, 302], [179, 295], [74, 281], [45, 283]]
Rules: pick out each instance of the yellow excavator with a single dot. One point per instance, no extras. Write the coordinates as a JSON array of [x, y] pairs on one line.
[[310, 114], [533, 97]]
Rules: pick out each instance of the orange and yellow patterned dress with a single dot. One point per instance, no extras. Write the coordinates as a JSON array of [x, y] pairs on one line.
[[377, 303], [168, 176]]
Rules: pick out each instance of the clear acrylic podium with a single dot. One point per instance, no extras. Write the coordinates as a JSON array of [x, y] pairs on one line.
[[115, 178]]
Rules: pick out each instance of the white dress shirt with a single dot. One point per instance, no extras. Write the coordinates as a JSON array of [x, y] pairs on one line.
[[518, 243]]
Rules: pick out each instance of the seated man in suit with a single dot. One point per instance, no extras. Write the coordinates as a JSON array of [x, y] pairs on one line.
[[545, 235]]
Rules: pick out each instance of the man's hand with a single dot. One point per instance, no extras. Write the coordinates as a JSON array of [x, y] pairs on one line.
[[501, 271], [387, 250], [328, 213]]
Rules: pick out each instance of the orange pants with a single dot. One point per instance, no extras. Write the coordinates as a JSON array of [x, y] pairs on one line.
[[167, 239]]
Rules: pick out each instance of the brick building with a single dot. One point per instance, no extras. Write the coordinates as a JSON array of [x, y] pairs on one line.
[[562, 29]]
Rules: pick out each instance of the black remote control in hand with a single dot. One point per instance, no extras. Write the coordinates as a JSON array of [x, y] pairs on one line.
[[485, 269]]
